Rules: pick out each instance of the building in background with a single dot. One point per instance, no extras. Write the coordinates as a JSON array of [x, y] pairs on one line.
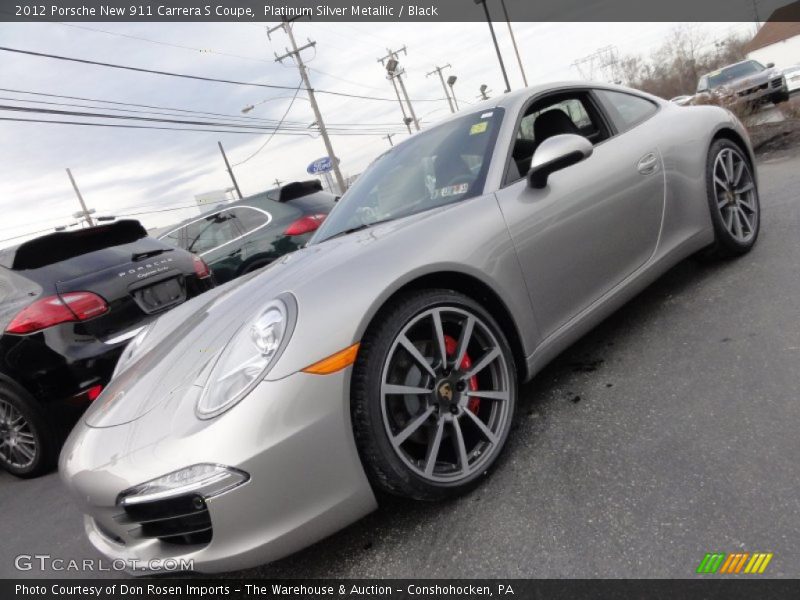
[[778, 40]]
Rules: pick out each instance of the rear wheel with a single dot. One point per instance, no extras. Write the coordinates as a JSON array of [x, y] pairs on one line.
[[433, 396], [27, 446], [733, 199]]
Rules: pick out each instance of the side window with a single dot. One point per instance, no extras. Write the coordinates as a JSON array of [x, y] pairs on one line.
[[571, 112], [249, 218], [176, 238], [628, 110], [211, 232]]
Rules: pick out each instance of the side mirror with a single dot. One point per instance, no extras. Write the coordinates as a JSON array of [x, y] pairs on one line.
[[556, 153], [770, 65]]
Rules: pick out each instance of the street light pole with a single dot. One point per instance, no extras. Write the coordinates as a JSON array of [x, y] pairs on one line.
[[439, 70], [451, 81], [496, 47], [391, 62], [514, 42]]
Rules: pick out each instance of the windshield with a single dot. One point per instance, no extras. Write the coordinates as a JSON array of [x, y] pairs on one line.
[[733, 72], [436, 167]]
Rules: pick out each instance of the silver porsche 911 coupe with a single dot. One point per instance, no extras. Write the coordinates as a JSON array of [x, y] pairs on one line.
[[385, 357]]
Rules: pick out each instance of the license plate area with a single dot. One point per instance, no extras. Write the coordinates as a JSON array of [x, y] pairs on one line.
[[160, 296]]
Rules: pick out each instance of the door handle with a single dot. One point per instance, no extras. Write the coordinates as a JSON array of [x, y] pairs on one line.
[[647, 164]]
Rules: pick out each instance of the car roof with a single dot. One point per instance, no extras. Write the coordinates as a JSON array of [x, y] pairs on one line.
[[512, 100]]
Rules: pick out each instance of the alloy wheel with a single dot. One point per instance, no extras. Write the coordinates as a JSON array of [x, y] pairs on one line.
[[18, 447], [445, 394], [735, 194]]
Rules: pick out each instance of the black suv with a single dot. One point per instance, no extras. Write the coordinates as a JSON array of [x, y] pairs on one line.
[[69, 303]]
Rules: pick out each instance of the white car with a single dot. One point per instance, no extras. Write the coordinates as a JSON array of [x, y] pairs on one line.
[[792, 75]]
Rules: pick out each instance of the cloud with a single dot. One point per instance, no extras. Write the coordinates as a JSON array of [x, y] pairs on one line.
[[119, 170]]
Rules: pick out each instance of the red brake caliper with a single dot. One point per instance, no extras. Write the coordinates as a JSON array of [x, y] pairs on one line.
[[451, 345]]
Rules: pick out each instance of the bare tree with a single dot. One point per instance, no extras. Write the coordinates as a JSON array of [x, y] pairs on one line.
[[674, 68]]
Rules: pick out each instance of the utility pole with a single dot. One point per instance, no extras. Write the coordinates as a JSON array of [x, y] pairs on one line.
[[286, 25], [514, 42], [496, 47], [84, 213], [230, 171], [393, 70], [389, 137], [438, 70]]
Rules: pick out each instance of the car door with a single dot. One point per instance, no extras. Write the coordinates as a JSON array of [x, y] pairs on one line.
[[217, 239], [595, 222]]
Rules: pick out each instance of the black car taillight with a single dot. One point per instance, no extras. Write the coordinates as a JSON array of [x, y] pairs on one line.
[[52, 310], [305, 224], [201, 268]]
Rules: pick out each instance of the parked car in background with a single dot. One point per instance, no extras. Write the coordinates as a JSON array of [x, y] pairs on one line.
[[387, 354], [745, 82], [792, 75], [69, 303], [248, 234]]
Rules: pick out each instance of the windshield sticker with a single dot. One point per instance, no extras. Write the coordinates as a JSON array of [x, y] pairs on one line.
[[451, 190], [486, 115], [478, 128]]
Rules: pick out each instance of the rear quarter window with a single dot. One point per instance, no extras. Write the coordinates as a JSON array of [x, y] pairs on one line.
[[627, 110]]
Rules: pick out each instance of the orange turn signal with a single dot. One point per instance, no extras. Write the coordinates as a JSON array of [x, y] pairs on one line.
[[335, 362]]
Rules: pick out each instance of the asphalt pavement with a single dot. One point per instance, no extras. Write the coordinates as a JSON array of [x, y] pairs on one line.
[[668, 432]]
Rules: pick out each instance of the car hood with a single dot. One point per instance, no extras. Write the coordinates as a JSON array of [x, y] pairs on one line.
[[167, 370]]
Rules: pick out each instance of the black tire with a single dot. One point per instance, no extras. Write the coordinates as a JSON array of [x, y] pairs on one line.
[[726, 244], [255, 266], [385, 469], [35, 424], [779, 97]]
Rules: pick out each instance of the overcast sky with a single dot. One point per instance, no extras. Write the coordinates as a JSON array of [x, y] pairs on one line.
[[124, 171]]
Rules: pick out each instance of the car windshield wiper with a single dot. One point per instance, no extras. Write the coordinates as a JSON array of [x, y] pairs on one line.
[[358, 228]]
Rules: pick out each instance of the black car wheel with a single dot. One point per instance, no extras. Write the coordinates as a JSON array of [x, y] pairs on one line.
[[733, 199], [27, 447], [779, 97], [433, 395]]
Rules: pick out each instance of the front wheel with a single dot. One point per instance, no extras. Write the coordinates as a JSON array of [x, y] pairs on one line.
[[733, 199], [27, 446], [433, 395], [779, 97]]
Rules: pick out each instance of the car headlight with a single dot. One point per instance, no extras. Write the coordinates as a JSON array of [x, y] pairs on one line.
[[206, 480], [246, 358], [129, 353]]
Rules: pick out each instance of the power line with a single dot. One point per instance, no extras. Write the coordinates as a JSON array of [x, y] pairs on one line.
[[191, 129], [194, 77], [274, 128], [120, 103], [180, 110], [162, 43], [264, 145]]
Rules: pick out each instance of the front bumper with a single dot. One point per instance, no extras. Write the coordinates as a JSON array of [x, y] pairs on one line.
[[292, 436], [759, 93]]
